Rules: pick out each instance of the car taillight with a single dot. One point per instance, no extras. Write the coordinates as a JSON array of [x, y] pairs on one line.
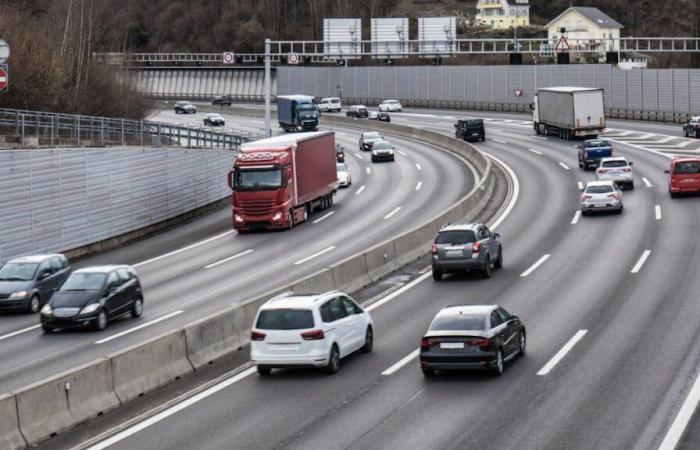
[[257, 336], [585, 154], [586, 197], [433, 249], [426, 343], [481, 342], [601, 170], [627, 169], [313, 335], [476, 246], [615, 196]]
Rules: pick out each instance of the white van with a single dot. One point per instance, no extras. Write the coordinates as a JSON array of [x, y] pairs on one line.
[[330, 104]]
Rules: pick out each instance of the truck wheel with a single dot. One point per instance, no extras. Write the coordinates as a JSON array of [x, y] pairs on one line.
[[290, 219]]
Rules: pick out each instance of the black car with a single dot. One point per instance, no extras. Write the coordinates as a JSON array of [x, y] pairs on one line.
[[185, 107], [339, 153], [381, 116], [29, 282], [368, 139], [357, 111], [482, 337], [692, 127], [382, 151], [214, 120], [470, 129], [222, 100], [92, 296]]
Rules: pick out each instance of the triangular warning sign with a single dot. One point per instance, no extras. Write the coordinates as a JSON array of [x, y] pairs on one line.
[[562, 44]]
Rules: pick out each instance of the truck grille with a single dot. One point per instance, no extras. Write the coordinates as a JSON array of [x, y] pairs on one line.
[[257, 207]]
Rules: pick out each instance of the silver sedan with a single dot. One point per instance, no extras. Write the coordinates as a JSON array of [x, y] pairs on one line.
[[601, 196]]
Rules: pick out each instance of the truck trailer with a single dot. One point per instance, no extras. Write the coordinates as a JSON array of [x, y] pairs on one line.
[[278, 182], [569, 112], [297, 113]]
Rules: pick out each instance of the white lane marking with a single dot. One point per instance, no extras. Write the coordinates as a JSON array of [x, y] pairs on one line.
[[564, 166], [402, 152], [143, 325], [620, 133], [580, 185], [685, 144], [418, 186], [642, 259], [677, 430], [394, 211], [657, 212], [562, 353], [359, 191], [358, 156], [514, 197], [173, 410], [325, 216], [402, 362], [540, 138], [230, 258], [184, 249], [369, 170], [418, 166], [18, 332], [534, 151], [646, 181], [308, 258], [577, 215], [664, 140], [500, 141], [536, 265]]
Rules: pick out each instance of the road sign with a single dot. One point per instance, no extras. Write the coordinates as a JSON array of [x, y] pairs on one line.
[[562, 45], [4, 78], [518, 92], [229, 58], [293, 58], [4, 51]]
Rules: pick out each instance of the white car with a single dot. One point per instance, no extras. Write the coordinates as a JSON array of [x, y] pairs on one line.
[[314, 330], [344, 177], [330, 104], [390, 106], [616, 169], [601, 196]]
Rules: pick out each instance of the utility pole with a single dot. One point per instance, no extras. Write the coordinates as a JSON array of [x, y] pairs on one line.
[[268, 87]]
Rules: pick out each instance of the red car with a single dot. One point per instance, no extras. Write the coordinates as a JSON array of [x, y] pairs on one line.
[[684, 176]]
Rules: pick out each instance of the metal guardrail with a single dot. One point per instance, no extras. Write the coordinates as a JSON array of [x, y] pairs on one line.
[[50, 129]]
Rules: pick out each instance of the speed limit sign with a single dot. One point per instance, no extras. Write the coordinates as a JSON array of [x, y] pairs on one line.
[[228, 57], [293, 58]]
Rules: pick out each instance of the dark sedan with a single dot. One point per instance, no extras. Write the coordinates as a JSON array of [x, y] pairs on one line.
[[480, 337], [92, 296], [381, 116], [214, 120], [28, 282]]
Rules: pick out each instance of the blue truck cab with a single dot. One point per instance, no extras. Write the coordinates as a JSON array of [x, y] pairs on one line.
[[591, 151], [297, 113]]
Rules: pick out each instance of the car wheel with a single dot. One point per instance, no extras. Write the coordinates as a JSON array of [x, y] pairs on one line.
[[264, 370], [437, 275], [499, 261], [46, 328], [697, 134], [498, 368], [486, 271], [619, 211], [631, 186], [137, 308], [584, 212], [101, 321], [369, 341], [673, 194], [685, 132], [333, 361], [428, 372], [523, 343], [33, 305]]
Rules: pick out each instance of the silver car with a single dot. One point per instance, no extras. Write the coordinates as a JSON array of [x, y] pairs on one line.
[[616, 169], [601, 196], [344, 177], [466, 247]]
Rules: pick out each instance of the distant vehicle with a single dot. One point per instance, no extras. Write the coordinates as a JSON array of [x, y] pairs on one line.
[[380, 116], [692, 127], [221, 100], [330, 104], [390, 106], [278, 182], [214, 120], [339, 153], [368, 138], [314, 330], [357, 111], [601, 196], [297, 113], [569, 112], [382, 151], [344, 177], [482, 337], [466, 247], [184, 107], [616, 169], [470, 129], [684, 176], [592, 151], [92, 296], [28, 282]]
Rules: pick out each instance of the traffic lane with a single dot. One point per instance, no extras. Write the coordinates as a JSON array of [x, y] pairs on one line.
[[233, 123]]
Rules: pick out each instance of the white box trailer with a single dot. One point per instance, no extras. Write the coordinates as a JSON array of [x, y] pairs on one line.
[[569, 112]]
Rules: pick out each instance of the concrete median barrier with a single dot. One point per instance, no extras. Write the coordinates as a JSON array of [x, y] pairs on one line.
[[381, 260], [320, 281], [351, 274], [10, 436]]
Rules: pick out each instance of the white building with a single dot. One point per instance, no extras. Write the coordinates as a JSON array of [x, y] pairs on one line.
[[503, 14], [590, 24]]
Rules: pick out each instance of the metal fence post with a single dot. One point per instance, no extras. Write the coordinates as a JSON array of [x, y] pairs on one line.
[[122, 132], [38, 130], [22, 134], [102, 131], [189, 138], [77, 129], [141, 125], [158, 137], [52, 130]]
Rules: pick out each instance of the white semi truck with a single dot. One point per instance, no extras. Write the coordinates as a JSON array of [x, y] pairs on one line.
[[569, 112]]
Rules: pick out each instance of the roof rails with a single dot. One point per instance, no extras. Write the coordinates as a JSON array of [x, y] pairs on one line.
[[332, 291], [284, 294]]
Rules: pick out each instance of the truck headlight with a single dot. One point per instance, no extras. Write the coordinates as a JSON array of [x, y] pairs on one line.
[[46, 310], [237, 218], [18, 294], [277, 216], [89, 309]]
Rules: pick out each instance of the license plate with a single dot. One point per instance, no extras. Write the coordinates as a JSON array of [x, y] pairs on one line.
[[454, 253], [284, 347], [475, 134], [451, 345]]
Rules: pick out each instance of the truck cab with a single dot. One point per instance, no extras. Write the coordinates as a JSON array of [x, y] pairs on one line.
[[297, 113]]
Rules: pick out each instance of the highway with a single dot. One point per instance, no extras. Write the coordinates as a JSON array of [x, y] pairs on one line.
[[609, 302]]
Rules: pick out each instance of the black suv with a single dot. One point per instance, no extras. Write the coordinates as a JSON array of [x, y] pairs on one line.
[[465, 248], [470, 129], [185, 107], [27, 283], [222, 100], [357, 111]]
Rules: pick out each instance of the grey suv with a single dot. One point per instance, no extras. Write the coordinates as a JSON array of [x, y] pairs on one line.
[[28, 282], [466, 247]]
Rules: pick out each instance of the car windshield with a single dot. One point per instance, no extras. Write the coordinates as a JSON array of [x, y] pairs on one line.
[[257, 179], [18, 271], [614, 164], [596, 144], [382, 146], [341, 168], [690, 167], [84, 282], [285, 319], [458, 322], [455, 237], [371, 136], [604, 189]]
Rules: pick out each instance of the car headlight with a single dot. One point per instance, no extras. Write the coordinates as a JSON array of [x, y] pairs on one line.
[[91, 308], [374, 152], [46, 310], [18, 294], [391, 152], [277, 216]]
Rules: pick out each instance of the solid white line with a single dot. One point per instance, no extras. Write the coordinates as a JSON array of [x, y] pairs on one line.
[[24, 330], [358, 155], [577, 215], [225, 260], [418, 186], [143, 325], [500, 141], [308, 258], [418, 166], [580, 185], [359, 191], [562, 352], [646, 181], [536, 265], [394, 211], [534, 151], [173, 410], [402, 362], [642, 259], [514, 197], [324, 217], [564, 166], [369, 170], [675, 433], [183, 249], [402, 152], [657, 212]]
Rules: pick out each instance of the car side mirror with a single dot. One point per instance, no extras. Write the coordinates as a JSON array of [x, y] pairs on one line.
[[667, 171], [44, 275], [496, 235], [514, 317], [631, 164], [455, 125]]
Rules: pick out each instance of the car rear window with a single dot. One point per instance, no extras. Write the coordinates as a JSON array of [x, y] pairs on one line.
[[614, 164], [597, 144], [458, 322], [475, 123], [687, 167], [599, 189], [372, 135], [455, 237], [285, 319]]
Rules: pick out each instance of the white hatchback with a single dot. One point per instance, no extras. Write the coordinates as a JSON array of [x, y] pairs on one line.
[[390, 105], [314, 330], [616, 169], [330, 104]]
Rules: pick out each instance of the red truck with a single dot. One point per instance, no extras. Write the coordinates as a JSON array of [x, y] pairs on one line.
[[277, 182]]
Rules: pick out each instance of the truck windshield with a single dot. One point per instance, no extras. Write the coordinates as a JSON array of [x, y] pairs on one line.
[[308, 114], [257, 179]]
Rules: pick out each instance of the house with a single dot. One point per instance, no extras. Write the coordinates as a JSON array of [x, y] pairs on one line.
[[586, 23], [503, 14]]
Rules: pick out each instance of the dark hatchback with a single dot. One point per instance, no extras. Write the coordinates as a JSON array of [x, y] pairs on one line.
[[470, 130], [381, 116], [481, 337], [28, 282], [92, 296]]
